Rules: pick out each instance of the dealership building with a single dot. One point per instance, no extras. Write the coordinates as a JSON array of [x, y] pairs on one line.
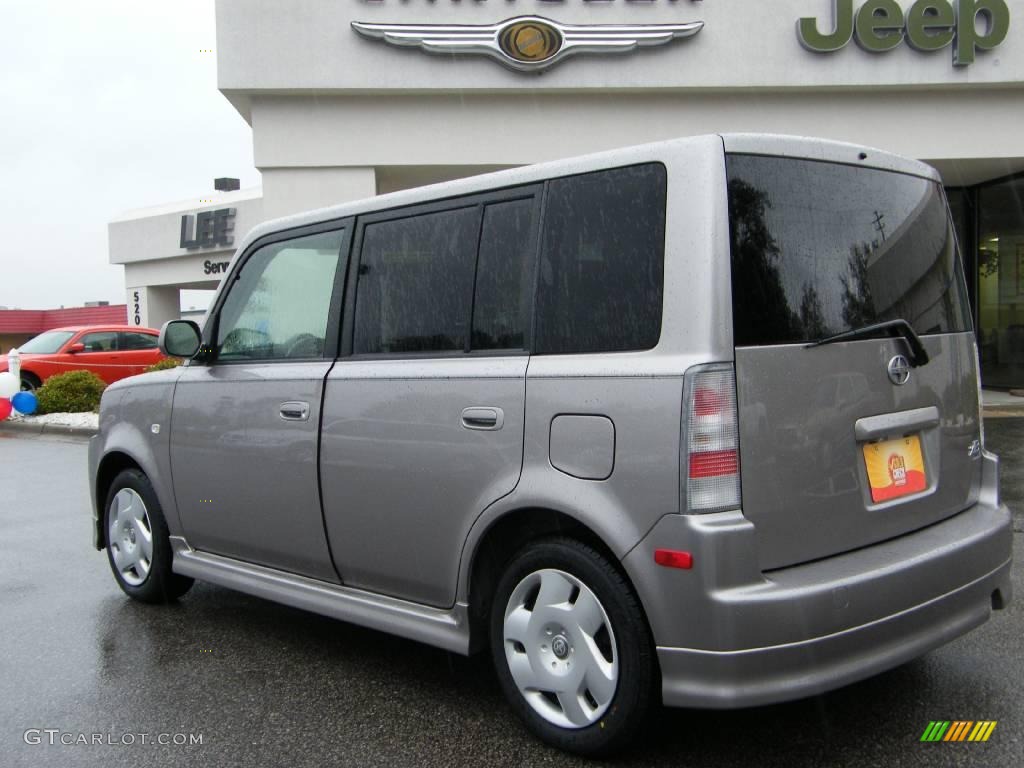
[[353, 98]]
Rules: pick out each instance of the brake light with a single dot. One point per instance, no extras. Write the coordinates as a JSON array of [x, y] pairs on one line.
[[711, 467]]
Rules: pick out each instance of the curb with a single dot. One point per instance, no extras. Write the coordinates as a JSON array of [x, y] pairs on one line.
[[46, 429]]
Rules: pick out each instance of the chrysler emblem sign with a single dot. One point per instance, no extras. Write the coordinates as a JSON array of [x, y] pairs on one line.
[[527, 43]]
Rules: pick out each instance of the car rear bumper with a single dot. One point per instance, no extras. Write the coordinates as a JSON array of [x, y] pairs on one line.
[[731, 635], [755, 676]]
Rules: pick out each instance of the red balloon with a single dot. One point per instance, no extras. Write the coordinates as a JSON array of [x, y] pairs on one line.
[[5, 408]]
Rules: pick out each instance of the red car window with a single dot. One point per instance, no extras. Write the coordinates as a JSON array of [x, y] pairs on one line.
[[101, 341]]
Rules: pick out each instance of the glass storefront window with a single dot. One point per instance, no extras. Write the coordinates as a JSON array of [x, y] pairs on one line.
[[1000, 296]]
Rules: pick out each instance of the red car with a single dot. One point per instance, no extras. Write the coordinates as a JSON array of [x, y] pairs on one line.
[[112, 352]]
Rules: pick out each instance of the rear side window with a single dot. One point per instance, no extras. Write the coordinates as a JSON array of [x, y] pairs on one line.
[[137, 341], [820, 248], [502, 295], [102, 341], [415, 286], [455, 280], [602, 262]]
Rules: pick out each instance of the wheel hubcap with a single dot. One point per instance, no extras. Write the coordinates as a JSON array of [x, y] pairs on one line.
[[560, 648], [130, 537]]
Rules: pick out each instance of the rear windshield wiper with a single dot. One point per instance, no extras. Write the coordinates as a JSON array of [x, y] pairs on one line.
[[918, 354]]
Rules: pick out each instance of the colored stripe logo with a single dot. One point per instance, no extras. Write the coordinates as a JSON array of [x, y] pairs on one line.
[[959, 730]]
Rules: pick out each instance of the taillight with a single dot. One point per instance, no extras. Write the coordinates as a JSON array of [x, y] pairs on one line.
[[711, 462]]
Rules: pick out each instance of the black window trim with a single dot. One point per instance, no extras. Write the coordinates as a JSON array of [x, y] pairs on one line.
[[479, 201], [333, 333]]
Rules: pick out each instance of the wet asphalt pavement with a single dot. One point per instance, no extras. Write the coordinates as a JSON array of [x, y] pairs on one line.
[[267, 685]]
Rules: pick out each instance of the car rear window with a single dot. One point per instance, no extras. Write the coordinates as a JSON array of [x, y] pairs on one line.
[[820, 248]]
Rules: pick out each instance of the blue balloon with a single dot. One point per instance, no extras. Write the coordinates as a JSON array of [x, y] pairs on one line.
[[25, 402]]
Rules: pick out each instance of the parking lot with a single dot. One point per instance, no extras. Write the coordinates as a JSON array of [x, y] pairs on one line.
[[263, 684]]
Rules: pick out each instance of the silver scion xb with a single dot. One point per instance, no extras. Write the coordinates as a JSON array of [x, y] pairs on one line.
[[693, 422]]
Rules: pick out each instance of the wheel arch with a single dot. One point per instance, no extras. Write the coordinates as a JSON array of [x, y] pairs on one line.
[[30, 372], [110, 466], [500, 538]]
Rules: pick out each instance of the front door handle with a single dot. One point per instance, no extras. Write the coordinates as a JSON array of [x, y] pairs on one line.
[[295, 410], [483, 417]]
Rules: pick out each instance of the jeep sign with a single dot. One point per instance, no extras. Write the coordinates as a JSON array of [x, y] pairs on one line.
[[928, 25]]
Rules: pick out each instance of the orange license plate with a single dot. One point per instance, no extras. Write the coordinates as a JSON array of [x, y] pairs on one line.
[[895, 468]]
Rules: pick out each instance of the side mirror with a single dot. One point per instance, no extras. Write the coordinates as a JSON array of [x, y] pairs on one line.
[[75, 348], [180, 338]]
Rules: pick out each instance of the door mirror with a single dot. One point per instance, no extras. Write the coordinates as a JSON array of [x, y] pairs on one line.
[[76, 348], [180, 338]]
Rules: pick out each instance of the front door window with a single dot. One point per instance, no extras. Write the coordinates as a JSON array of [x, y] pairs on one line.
[[279, 307]]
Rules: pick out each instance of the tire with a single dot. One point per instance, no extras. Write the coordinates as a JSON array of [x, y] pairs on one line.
[[29, 382], [600, 650], [141, 564]]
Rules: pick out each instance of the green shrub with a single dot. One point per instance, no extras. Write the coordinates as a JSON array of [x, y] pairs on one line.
[[163, 365], [71, 392]]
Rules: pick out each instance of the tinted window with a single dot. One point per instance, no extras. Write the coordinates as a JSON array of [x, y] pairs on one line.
[[602, 262], [415, 284], [502, 291], [136, 341], [279, 305], [102, 341], [820, 248]]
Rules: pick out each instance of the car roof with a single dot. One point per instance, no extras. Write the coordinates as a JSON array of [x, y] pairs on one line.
[[743, 143], [108, 327]]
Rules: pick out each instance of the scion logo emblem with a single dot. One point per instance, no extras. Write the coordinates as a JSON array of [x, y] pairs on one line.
[[527, 43], [899, 370]]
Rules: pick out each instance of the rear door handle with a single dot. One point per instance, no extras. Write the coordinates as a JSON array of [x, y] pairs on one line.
[[295, 410], [483, 417]]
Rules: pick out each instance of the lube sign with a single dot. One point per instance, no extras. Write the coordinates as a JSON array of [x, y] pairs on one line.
[[928, 25], [209, 229]]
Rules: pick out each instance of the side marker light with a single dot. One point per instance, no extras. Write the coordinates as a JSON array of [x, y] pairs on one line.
[[672, 558]]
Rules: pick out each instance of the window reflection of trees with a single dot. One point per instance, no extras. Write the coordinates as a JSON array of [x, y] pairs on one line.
[[802, 272], [761, 311]]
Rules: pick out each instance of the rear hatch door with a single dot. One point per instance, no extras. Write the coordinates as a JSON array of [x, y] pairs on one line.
[[840, 445]]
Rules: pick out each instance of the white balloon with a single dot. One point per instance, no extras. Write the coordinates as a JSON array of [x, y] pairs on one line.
[[10, 384]]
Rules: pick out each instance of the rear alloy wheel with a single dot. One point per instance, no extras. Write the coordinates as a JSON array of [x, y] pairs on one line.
[[138, 543], [571, 647]]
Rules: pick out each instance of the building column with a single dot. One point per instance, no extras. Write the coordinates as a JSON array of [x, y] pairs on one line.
[[152, 306], [292, 190]]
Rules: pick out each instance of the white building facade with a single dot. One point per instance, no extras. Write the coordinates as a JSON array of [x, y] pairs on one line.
[[338, 114]]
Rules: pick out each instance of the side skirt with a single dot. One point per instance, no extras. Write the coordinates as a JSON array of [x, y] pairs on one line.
[[444, 628]]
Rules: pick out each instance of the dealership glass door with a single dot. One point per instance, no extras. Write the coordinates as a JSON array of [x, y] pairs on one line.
[[1000, 286]]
